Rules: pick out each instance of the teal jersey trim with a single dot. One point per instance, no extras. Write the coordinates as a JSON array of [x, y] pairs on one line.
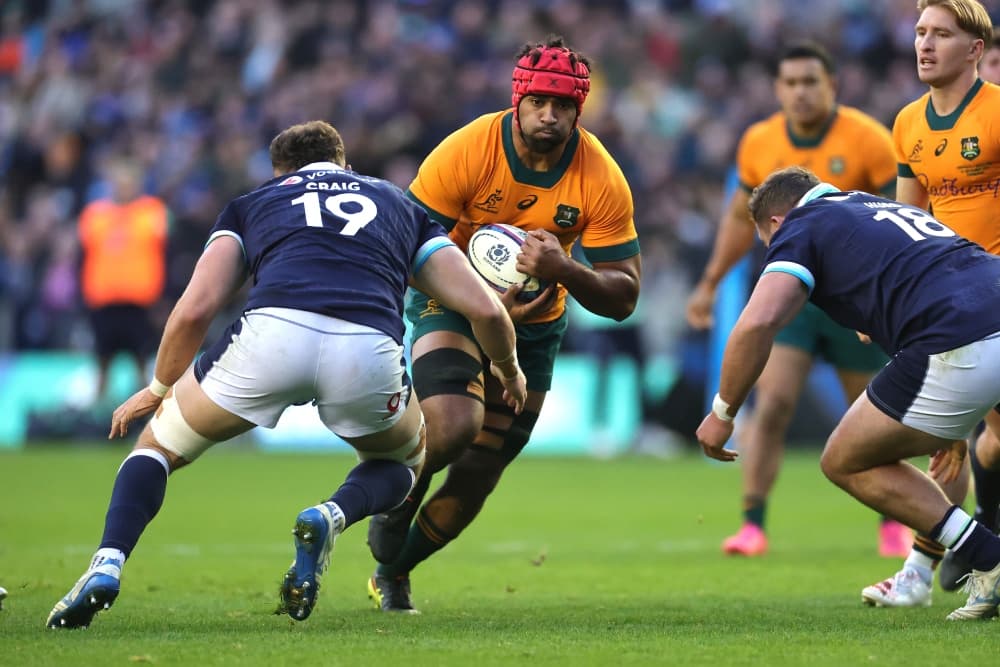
[[811, 142], [521, 173], [937, 123], [436, 216], [613, 253]]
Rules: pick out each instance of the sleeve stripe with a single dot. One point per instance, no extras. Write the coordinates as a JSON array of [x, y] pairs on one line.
[[613, 253], [791, 268], [226, 232], [436, 216], [903, 169], [426, 250]]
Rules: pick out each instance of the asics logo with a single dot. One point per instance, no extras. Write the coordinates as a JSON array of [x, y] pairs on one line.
[[527, 202]]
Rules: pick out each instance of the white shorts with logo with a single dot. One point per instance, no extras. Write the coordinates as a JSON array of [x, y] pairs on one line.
[[276, 357], [945, 394]]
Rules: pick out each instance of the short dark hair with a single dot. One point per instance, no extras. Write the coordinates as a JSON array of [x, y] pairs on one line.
[[801, 50], [551, 42], [779, 192], [305, 143]]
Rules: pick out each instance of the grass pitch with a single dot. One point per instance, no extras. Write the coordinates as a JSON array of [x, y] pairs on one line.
[[573, 561]]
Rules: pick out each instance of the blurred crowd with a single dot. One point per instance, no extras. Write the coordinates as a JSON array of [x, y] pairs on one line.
[[192, 91]]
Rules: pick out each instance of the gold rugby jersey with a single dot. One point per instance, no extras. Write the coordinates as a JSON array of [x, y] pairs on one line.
[[956, 158], [474, 178], [853, 152]]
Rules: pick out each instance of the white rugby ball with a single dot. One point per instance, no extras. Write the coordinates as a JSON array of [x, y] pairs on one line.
[[493, 253]]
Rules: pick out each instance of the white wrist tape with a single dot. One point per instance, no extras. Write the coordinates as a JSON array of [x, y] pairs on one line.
[[157, 388], [721, 409]]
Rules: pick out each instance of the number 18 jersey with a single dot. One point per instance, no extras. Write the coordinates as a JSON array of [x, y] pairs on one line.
[[331, 241], [889, 270]]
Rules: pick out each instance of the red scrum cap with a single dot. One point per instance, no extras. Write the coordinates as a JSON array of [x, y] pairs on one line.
[[552, 70]]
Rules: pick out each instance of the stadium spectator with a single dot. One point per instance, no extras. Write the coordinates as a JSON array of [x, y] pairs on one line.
[[330, 252], [853, 151], [123, 240], [989, 66], [913, 286], [534, 167], [949, 162], [122, 85]]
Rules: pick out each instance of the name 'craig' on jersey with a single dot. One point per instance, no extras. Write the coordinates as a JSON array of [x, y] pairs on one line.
[[330, 241], [891, 271]]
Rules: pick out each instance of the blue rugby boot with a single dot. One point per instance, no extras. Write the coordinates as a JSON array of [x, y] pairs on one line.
[[315, 530], [95, 591]]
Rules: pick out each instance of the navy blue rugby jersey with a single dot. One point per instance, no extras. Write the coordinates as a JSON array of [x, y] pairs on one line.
[[331, 241], [891, 271]]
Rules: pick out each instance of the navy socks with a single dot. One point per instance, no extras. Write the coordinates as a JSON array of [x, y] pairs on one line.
[[136, 498], [372, 487]]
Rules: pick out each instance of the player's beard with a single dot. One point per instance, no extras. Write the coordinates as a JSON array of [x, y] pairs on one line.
[[543, 145]]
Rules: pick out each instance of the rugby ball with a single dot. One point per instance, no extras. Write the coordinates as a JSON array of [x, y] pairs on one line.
[[493, 252]]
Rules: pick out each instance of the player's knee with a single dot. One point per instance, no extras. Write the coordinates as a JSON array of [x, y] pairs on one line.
[[147, 441], [773, 411], [449, 384], [833, 465], [446, 445], [451, 428], [171, 433]]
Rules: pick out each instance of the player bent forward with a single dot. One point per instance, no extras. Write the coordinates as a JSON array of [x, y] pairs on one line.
[[323, 323], [921, 292]]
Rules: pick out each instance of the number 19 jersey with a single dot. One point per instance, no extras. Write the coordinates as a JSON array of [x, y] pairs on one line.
[[331, 241]]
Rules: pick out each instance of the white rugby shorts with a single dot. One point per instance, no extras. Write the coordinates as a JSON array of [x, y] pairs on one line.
[[276, 357], [945, 394]]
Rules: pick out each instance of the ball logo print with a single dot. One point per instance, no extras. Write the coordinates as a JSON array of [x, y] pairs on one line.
[[493, 251], [498, 255]]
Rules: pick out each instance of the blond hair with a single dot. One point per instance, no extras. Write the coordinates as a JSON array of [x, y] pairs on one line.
[[970, 15]]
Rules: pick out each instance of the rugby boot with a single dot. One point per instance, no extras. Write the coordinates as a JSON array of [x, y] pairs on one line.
[[391, 593]]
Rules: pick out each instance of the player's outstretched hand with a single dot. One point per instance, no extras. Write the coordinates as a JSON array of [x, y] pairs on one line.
[[140, 404], [700, 305], [515, 390], [523, 310], [713, 434], [946, 464]]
